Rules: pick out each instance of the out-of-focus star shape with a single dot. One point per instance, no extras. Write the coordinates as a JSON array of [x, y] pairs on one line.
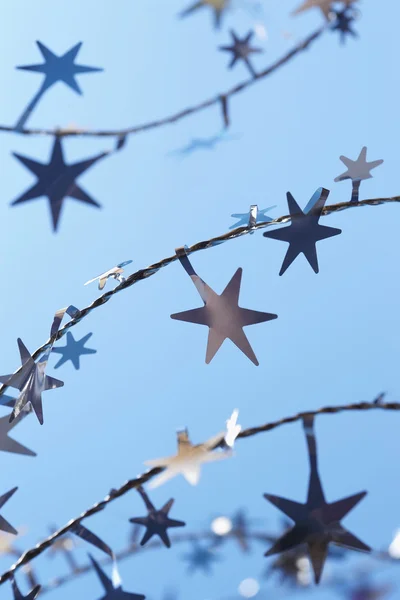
[[304, 230], [324, 5], [200, 557], [189, 459], [73, 350], [31, 381], [218, 6], [56, 180], [5, 525], [7, 444], [157, 521], [369, 591], [244, 217], [241, 49], [17, 594], [113, 587], [204, 143], [232, 429], [60, 68], [317, 522], [342, 23], [360, 169], [224, 317]]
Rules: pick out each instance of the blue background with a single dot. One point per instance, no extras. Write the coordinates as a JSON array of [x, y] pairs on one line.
[[336, 337]]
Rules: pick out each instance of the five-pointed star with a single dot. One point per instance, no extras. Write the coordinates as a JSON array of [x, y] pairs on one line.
[[56, 180], [188, 460], [5, 525], [358, 170], [73, 350], [343, 24], [324, 5], [224, 317], [218, 6], [317, 522], [304, 231], [232, 429], [17, 594], [244, 217], [60, 68], [7, 444], [200, 558], [157, 521], [31, 381], [241, 50], [113, 592]]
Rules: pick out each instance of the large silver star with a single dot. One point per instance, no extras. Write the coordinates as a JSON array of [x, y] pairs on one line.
[[223, 315], [358, 170], [189, 459]]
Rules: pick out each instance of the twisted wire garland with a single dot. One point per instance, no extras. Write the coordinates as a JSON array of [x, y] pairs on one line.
[[221, 99], [131, 484]]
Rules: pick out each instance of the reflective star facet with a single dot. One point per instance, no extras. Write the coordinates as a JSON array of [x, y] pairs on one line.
[[245, 217], [224, 317], [56, 180], [73, 350], [113, 590], [317, 522], [241, 50], [360, 169], [189, 459], [200, 557], [304, 230], [60, 68], [31, 381], [157, 521], [5, 525], [18, 595], [218, 6]]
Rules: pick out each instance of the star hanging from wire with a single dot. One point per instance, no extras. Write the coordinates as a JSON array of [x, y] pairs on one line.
[[56, 180], [343, 24], [5, 525], [222, 314], [73, 350], [241, 49], [218, 6], [304, 230], [200, 558], [113, 587], [157, 521], [324, 5], [244, 217], [17, 594], [31, 381], [317, 522], [60, 68], [360, 169], [189, 459]]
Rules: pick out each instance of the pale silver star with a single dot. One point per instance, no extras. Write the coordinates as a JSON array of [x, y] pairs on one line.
[[358, 170], [189, 459]]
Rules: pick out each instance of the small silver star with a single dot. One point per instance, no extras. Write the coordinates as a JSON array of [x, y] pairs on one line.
[[358, 170]]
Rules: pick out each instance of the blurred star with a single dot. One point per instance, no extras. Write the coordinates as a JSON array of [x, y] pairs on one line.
[[56, 180], [113, 591], [244, 217], [157, 521], [189, 459], [5, 525], [17, 594], [324, 5], [7, 444], [317, 522], [241, 50], [73, 350], [359, 169], [203, 144], [218, 6], [304, 230], [343, 22], [200, 558]]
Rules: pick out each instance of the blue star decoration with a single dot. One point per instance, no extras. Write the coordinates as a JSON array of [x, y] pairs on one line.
[[304, 230], [55, 68], [56, 180], [244, 217], [113, 589], [157, 521], [200, 558], [317, 522], [17, 594], [73, 350], [343, 24]]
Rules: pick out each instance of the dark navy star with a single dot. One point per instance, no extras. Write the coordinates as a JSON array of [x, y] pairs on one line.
[[157, 521], [304, 230], [56, 180], [241, 50], [200, 558], [17, 594], [317, 522], [343, 22], [73, 350], [60, 68], [113, 591]]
